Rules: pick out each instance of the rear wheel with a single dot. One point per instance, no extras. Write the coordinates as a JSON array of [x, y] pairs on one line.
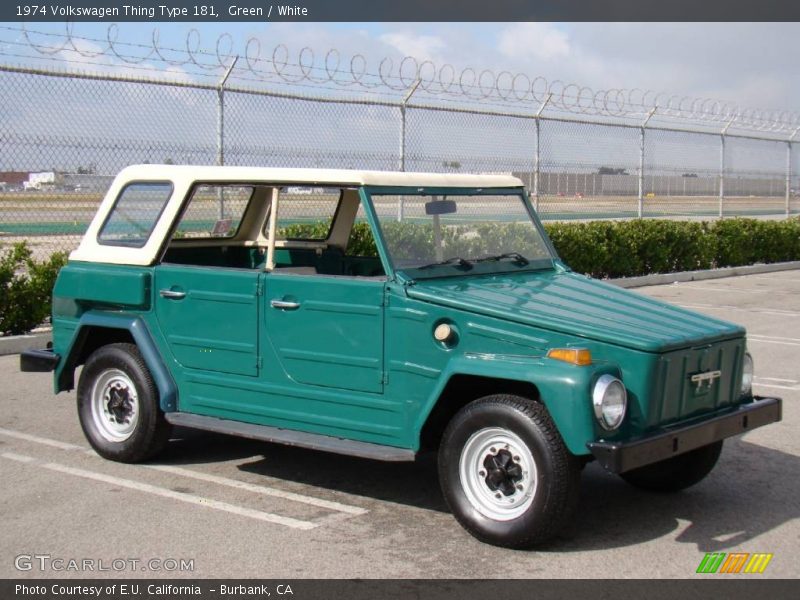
[[506, 473], [678, 472], [118, 405]]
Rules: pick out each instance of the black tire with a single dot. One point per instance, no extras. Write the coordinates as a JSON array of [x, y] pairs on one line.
[[547, 505], [677, 473], [134, 429]]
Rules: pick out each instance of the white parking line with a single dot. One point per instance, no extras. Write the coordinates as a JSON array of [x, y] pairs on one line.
[[225, 481], [728, 289], [766, 311], [793, 384], [773, 337], [752, 338], [40, 440], [258, 489], [779, 275], [163, 492], [795, 388]]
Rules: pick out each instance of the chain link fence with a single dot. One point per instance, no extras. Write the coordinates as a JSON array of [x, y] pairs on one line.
[[65, 133]]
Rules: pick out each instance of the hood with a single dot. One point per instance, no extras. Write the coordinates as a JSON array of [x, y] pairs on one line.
[[578, 305]]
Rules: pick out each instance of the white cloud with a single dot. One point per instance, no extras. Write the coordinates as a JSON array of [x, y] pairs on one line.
[[542, 41], [422, 47]]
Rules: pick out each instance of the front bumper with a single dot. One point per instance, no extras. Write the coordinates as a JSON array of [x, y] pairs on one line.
[[38, 361], [619, 457]]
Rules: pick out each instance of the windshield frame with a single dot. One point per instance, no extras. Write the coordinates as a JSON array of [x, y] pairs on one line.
[[453, 270]]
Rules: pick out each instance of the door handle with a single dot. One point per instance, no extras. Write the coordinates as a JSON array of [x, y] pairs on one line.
[[172, 294], [284, 305]]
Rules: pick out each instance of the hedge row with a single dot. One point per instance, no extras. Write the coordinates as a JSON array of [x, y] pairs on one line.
[[631, 248], [609, 248], [26, 287]]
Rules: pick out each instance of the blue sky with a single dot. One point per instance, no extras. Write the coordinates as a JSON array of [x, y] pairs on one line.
[[753, 64]]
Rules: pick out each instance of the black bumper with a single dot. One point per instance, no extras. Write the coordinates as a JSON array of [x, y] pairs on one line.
[[38, 361], [619, 457]]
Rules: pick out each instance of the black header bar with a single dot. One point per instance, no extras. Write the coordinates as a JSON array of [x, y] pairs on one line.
[[399, 10], [700, 586]]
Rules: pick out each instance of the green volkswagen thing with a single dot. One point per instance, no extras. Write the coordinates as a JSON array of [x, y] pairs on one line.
[[383, 315]]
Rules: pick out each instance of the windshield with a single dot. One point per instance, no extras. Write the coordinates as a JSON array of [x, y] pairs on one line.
[[428, 233]]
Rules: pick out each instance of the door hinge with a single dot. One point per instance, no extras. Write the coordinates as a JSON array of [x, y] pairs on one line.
[[385, 378], [260, 287], [259, 363]]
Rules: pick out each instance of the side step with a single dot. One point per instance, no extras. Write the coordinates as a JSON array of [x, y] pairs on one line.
[[289, 437]]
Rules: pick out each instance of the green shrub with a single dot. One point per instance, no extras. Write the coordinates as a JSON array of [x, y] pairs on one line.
[[629, 248], [26, 288], [747, 241]]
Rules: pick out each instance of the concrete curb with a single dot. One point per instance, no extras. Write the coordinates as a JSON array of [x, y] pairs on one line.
[[14, 344], [662, 278]]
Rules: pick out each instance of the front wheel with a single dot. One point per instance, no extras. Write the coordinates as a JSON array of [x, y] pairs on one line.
[[505, 472], [676, 473], [118, 405]]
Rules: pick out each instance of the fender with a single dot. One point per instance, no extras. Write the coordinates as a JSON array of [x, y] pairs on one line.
[[564, 389], [167, 390]]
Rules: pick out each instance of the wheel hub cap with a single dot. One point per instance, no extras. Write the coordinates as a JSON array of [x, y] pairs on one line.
[[498, 473], [503, 473], [115, 405]]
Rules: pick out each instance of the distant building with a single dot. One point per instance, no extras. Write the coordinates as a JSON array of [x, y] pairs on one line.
[[12, 179]]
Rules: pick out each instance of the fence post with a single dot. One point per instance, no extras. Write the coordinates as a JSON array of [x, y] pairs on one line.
[[789, 143], [537, 156], [221, 128], [722, 135], [403, 104], [640, 210]]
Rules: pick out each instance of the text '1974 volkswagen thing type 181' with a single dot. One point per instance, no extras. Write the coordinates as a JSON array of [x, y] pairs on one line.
[[382, 315]]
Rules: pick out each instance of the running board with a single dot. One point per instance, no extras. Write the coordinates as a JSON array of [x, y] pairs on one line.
[[289, 437]]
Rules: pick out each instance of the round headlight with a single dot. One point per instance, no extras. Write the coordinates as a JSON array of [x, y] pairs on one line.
[[610, 401], [747, 375]]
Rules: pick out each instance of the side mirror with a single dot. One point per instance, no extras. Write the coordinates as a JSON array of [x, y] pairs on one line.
[[440, 207]]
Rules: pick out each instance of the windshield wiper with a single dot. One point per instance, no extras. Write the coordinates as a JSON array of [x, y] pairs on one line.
[[518, 258], [461, 262]]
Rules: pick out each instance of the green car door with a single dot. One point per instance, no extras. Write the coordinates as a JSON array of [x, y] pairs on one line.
[[326, 330], [209, 317]]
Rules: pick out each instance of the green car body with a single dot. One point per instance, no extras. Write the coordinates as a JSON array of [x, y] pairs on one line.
[[247, 336]]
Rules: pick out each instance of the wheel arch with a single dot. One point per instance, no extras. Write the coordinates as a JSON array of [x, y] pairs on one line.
[[98, 329], [563, 389], [460, 390]]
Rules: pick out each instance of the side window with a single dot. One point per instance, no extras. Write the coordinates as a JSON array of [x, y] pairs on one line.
[[361, 241], [135, 214], [306, 213], [214, 211]]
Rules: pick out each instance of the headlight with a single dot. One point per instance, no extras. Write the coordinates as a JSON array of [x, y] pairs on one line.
[[610, 401], [747, 375]]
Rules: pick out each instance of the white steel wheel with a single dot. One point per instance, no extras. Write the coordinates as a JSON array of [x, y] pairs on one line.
[[506, 473], [118, 405], [498, 474], [115, 405]]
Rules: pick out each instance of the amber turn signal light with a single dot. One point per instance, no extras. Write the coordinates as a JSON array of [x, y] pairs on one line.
[[575, 356]]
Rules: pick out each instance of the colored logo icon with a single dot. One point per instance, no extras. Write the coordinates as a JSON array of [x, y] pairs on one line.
[[735, 562]]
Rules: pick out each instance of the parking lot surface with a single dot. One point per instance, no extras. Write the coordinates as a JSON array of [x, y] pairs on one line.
[[215, 506]]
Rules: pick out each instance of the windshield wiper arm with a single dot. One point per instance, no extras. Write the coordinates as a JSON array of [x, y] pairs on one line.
[[461, 262], [515, 255]]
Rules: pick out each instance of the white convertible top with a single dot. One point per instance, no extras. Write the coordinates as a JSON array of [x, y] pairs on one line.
[[315, 176], [183, 177]]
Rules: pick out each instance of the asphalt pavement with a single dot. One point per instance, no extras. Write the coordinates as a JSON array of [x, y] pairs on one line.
[[215, 506]]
